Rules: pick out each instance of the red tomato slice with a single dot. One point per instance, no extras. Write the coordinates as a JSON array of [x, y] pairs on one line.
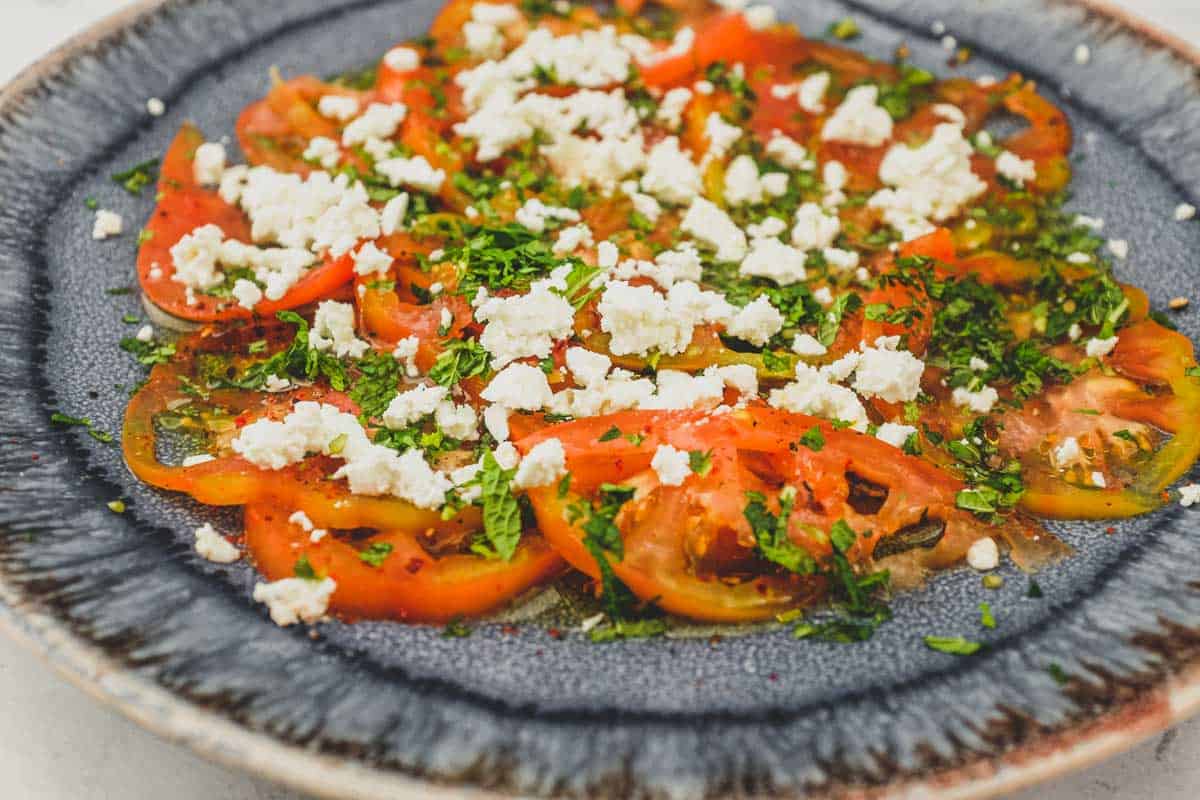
[[411, 583]]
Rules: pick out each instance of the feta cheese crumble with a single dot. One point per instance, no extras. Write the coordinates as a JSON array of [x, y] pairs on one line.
[[214, 547], [107, 223], [672, 466], [294, 600], [543, 465], [859, 119]]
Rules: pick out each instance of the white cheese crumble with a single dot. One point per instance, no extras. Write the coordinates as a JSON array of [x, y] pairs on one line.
[[155, 107], [543, 465], [524, 325], [708, 224], [519, 387], [412, 405], [1083, 54], [983, 554], [108, 223], [670, 175], [806, 345], [1016, 169], [247, 293], [208, 164], [369, 259], [672, 105], [214, 547], [416, 172], [1067, 453], [379, 121], [1119, 248], [893, 376], [771, 258], [391, 218], [672, 466], [859, 119], [894, 433], [757, 322], [813, 229], [333, 330], [1189, 495], [931, 182], [812, 393], [788, 152], [586, 367], [535, 215], [338, 107], [811, 92], [293, 600], [323, 152], [641, 320], [1184, 212], [402, 59], [980, 402]]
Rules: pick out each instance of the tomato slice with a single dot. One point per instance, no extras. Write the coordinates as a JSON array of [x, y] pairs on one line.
[[411, 583], [1151, 389], [690, 548]]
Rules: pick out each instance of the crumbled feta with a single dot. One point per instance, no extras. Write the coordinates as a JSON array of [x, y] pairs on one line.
[[760, 17], [859, 119], [108, 223], [293, 600], [771, 258], [742, 378], [813, 228], [667, 268], [983, 554], [323, 152], [1018, 170], [894, 433], [457, 421], [932, 182], [978, 364], [811, 92], [1098, 348], [1095, 223], [806, 345], [519, 387], [757, 322], [704, 87], [641, 320], [247, 293], [707, 223], [893, 376], [215, 547], [524, 325], [369, 259], [333, 330], [835, 176], [1119, 248], [721, 135], [1098, 480], [670, 175], [145, 334], [208, 164], [416, 172], [410, 406], [572, 238], [679, 390], [672, 466], [742, 184], [787, 151], [495, 419], [823, 295], [811, 393], [391, 218], [1083, 54], [155, 107], [588, 368], [197, 460], [671, 107], [543, 465], [950, 113], [339, 107], [402, 59], [980, 402], [1184, 212], [379, 121], [1074, 332], [535, 215], [1189, 495]]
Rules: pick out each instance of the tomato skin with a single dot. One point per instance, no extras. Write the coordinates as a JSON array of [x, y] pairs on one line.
[[410, 584]]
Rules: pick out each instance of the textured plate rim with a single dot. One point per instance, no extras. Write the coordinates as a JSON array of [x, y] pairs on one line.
[[225, 742]]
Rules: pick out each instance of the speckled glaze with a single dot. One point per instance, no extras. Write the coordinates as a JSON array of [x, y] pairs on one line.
[[122, 605]]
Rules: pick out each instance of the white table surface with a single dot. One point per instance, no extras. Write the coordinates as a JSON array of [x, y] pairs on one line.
[[57, 744]]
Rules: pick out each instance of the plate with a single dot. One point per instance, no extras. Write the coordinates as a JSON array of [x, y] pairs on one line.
[[1109, 654]]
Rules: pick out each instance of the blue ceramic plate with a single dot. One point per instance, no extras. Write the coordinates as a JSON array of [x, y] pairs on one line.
[[121, 603]]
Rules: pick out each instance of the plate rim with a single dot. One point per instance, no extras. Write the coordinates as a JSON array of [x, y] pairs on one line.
[[222, 741]]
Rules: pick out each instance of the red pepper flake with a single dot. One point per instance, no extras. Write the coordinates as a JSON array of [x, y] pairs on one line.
[[1110, 530], [555, 633], [509, 630], [774, 676], [414, 565]]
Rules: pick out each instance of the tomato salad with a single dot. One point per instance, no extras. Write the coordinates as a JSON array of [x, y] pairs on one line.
[[723, 320]]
